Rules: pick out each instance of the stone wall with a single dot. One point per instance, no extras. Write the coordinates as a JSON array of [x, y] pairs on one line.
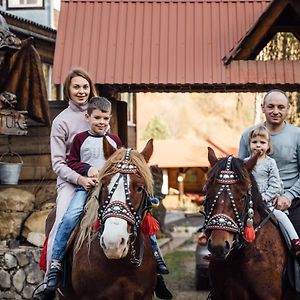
[[19, 272]]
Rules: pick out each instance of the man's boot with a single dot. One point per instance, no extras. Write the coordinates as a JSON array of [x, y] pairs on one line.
[[161, 267], [53, 278], [161, 291]]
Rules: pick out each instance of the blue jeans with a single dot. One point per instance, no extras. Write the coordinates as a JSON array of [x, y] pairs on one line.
[[68, 223], [153, 241]]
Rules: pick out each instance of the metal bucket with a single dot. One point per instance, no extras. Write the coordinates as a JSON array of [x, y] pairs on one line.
[[10, 171]]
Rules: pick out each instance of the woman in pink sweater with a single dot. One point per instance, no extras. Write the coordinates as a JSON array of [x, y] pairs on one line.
[[78, 90]]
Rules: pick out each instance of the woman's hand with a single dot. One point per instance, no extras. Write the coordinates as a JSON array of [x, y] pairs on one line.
[[87, 182]]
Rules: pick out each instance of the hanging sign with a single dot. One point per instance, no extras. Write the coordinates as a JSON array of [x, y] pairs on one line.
[[12, 122]]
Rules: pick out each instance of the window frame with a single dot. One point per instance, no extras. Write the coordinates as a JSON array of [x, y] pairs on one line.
[[11, 6]]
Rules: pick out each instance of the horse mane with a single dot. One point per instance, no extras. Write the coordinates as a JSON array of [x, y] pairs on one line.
[[237, 165], [92, 206]]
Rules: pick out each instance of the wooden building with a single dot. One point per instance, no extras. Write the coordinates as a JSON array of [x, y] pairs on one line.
[[177, 46], [150, 45]]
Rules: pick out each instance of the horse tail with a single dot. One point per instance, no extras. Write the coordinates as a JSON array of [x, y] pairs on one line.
[[88, 220]]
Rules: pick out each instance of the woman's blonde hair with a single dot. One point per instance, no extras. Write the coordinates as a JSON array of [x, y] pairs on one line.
[[263, 132]]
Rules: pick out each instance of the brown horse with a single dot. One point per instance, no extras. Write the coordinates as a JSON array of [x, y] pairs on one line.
[[241, 269], [116, 261]]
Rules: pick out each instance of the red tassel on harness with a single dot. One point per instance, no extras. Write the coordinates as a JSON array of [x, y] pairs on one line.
[[249, 234], [149, 225], [96, 226], [43, 257]]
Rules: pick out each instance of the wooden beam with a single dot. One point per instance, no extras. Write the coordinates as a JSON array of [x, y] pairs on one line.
[[249, 43], [296, 6]]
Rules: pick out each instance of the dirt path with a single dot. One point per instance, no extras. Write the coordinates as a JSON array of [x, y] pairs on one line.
[[181, 280]]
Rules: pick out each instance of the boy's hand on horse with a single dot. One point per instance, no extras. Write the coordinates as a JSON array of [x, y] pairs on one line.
[[87, 182], [282, 202]]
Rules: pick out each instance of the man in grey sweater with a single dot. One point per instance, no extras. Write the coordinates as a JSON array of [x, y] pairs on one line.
[[286, 151]]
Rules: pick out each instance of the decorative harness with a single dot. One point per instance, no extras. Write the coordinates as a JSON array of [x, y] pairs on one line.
[[221, 221], [125, 211]]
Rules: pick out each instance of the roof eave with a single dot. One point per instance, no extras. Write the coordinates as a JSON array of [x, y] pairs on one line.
[[248, 44]]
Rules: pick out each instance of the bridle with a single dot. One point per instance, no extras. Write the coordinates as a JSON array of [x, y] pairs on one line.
[[125, 211], [221, 221]]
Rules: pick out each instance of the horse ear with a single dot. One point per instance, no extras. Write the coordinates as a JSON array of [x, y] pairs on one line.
[[148, 150], [212, 156], [108, 149], [251, 162]]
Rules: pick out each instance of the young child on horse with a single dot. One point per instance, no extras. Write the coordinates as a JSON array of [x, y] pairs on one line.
[[268, 180], [86, 158]]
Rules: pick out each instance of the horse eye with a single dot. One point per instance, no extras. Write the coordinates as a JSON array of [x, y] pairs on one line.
[[140, 189]]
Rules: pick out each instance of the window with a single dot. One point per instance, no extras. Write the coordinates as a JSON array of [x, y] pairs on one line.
[[19, 4], [54, 91], [130, 98]]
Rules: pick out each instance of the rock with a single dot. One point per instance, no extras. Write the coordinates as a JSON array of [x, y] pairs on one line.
[[36, 256], [19, 280], [28, 292], [12, 199], [3, 244], [35, 223], [19, 272], [46, 194], [10, 261], [36, 238], [34, 274], [22, 259], [10, 224], [5, 282], [9, 295]]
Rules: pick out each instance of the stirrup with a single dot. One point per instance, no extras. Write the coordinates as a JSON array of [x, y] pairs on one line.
[[161, 291], [44, 295]]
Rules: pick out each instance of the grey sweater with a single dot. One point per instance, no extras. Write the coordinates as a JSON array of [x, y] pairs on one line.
[[64, 127], [267, 177], [286, 152]]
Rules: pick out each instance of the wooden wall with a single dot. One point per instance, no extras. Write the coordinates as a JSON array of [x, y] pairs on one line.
[[34, 148]]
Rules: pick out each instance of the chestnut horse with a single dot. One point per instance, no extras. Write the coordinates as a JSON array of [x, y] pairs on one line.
[[115, 261], [246, 264]]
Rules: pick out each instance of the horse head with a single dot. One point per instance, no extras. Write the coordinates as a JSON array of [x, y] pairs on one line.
[[229, 206], [126, 185]]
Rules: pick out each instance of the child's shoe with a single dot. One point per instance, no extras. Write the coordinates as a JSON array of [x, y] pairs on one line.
[[296, 247], [53, 278]]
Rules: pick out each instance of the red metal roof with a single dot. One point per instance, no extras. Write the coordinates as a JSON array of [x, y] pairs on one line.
[[163, 42]]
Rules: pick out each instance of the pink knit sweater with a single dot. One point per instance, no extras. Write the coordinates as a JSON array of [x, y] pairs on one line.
[[64, 127]]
